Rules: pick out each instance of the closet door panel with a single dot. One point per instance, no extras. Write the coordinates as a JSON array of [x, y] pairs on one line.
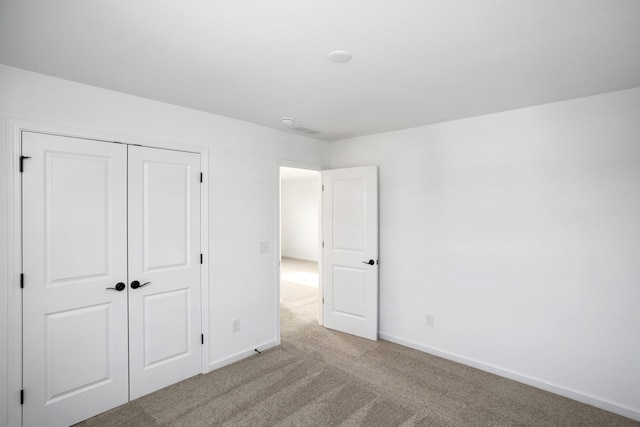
[[164, 260], [74, 248]]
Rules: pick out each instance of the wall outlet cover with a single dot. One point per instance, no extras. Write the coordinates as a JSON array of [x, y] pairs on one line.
[[428, 320]]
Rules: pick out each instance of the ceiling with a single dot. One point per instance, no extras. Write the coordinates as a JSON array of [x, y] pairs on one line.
[[415, 62]]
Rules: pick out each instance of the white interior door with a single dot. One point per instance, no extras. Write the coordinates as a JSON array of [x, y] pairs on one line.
[[111, 263], [350, 255], [164, 258], [74, 252]]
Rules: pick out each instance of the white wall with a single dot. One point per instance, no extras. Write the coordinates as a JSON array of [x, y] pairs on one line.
[[299, 218], [242, 192], [520, 233]]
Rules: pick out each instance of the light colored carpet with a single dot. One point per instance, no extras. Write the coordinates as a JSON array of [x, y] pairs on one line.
[[319, 377]]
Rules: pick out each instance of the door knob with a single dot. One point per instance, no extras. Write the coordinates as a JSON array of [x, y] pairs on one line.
[[135, 284], [119, 287], [370, 262]]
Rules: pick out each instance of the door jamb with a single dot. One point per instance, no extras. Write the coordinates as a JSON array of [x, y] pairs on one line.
[[15, 128], [278, 247]]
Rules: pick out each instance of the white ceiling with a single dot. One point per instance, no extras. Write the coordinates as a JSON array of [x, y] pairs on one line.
[[415, 62]]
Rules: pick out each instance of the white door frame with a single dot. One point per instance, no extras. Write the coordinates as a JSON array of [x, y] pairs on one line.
[[278, 244], [14, 240]]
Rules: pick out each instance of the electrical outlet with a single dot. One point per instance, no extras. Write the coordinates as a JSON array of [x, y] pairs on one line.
[[264, 247], [235, 325], [428, 320]]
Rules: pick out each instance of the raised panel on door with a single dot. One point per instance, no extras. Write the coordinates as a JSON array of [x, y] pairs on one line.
[[350, 234], [164, 257], [74, 248]]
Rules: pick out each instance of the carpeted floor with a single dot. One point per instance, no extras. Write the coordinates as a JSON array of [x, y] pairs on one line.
[[319, 377]]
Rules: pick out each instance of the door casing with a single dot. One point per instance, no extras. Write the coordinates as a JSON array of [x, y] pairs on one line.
[[14, 240]]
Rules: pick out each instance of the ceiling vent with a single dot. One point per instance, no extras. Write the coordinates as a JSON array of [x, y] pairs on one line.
[[305, 130]]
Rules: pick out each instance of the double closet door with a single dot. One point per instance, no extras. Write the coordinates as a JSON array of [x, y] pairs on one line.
[[111, 263]]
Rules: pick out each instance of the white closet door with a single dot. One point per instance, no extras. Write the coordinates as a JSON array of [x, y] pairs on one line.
[[164, 258], [74, 250]]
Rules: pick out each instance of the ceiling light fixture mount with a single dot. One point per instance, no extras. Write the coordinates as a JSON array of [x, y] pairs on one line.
[[339, 56], [287, 122]]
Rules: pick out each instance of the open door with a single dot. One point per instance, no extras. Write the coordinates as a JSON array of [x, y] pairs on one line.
[[350, 254]]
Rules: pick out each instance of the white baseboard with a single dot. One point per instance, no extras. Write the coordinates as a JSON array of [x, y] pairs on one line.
[[598, 402], [217, 364], [299, 258]]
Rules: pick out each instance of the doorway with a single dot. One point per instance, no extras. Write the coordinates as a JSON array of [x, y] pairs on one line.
[[347, 230], [300, 247], [96, 217], [16, 130]]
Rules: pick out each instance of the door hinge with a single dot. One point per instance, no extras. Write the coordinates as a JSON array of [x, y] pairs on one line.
[[201, 258], [22, 162], [323, 243], [322, 187], [323, 300], [21, 280], [200, 176], [22, 396], [202, 339]]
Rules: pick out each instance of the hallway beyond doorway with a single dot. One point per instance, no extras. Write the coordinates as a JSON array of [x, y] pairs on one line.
[[298, 293]]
